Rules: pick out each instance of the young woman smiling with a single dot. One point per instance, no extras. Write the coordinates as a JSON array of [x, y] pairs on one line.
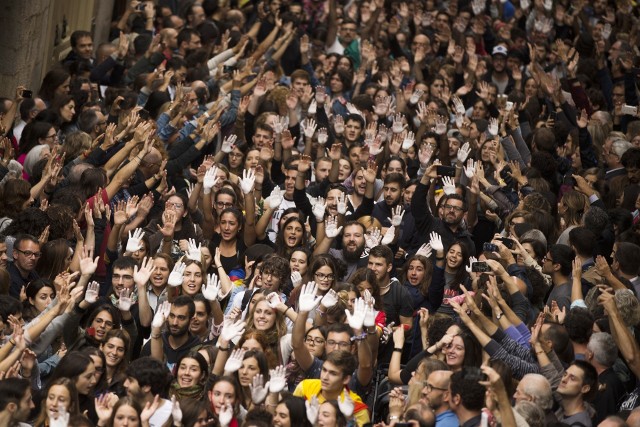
[[60, 394], [115, 349], [191, 376]]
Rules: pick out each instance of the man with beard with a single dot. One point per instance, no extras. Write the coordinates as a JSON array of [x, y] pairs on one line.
[[146, 379], [15, 401], [26, 253], [188, 41], [176, 340], [499, 75], [435, 393], [449, 227], [352, 248]]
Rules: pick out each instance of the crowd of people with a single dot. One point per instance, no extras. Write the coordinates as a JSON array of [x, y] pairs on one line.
[[326, 213]]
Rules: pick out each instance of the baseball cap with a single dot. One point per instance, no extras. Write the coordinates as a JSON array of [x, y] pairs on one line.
[[499, 50]]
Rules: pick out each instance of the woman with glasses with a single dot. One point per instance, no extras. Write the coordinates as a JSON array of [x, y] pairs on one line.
[[314, 341], [323, 272]]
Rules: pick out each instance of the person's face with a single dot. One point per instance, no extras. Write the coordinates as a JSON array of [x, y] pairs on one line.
[[67, 111], [177, 205], [57, 397], [324, 277], [252, 344], [249, 369], [252, 160], [380, 268], [395, 167], [454, 257], [236, 158], [359, 183], [264, 317], [315, 343], [99, 366], [84, 47], [353, 239], [281, 417], [331, 378], [453, 211], [479, 112], [344, 169], [43, 298], [299, 86], [344, 64], [199, 322], [126, 416], [262, 137], [348, 32], [299, 262], [122, 278], [113, 351], [178, 321], [3, 255], [454, 353], [206, 258], [192, 279], [222, 394], [26, 256], [332, 200], [352, 132], [322, 170], [421, 41], [86, 380], [198, 16], [160, 274], [293, 234], [192, 101], [102, 323], [223, 201], [415, 272], [269, 281], [408, 194], [530, 88], [64, 88], [436, 87], [618, 95], [572, 383], [392, 193], [519, 395], [433, 393], [548, 264], [336, 84], [189, 372], [326, 415], [171, 38], [633, 174], [499, 63], [229, 226], [24, 408], [454, 145], [290, 182]]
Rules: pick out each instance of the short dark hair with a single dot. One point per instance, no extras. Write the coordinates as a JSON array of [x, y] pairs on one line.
[[8, 306], [150, 372], [185, 301], [631, 158], [124, 262], [87, 120], [563, 255], [590, 377], [24, 237], [382, 251], [13, 390], [77, 35], [343, 360], [579, 324], [185, 35], [627, 255], [395, 178], [583, 241], [340, 328], [455, 196], [465, 383], [278, 266], [355, 118]]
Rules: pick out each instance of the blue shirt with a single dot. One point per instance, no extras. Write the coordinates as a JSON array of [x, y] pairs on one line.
[[447, 419]]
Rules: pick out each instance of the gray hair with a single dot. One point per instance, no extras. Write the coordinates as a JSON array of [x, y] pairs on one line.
[[539, 388], [532, 413], [604, 348], [628, 305], [619, 146]]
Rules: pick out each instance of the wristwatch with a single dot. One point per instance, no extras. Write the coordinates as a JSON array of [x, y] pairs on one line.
[[499, 315]]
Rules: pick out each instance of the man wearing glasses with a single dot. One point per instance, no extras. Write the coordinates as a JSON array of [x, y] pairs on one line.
[[26, 252], [435, 393]]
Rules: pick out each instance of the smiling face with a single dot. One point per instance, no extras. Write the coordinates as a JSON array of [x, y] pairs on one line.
[[189, 372], [161, 273], [454, 256], [126, 416], [102, 323], [415, 272], [281, 417], [345, 169], [113, 350], [192, 280], [250, 368], [57, 397], [264, 317], [200, 321], [454, 353], [324, 277]]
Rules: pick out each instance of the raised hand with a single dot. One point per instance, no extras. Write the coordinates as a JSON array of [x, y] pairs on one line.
[[275, 198], [194, 251], [232, 330], [470, 169], [493, 126], [408, 141], [278, 379], [441, 125], [356, 320], [248, 181], [463, 152], [234, 362], [329, 299], [341, 206], [425, 250], [296, 279], [323, 137], [210, 179], [373, 238], [229, 143], [389, 236], [313, 108], [161, 315], [319, 209], [88, 265], [332, 229], [91, 295], [346, 404], [308, 300], [436, 242], [448, 185], [211, 290], [142, 274], [176, 276], [313, 408], [258, 389], [226, 415], [338, 125], [176, 411], [396, 216]]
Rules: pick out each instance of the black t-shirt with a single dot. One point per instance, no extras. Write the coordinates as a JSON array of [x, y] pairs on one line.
[[233, 262]]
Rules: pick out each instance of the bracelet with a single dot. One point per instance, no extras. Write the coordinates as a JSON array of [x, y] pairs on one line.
[[359, 337], [224, 349], [167, 240], [439, 258], [393, 417], [396, 349], [285, 312], [219, 267], [155, 337], [372, 332], [12, 342]]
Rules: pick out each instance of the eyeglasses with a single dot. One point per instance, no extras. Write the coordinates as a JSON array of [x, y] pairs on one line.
[[453, 208], [546, 258], [316, 341], [322, 276], [30, 254], [431, 387], [176, 205], [51, 136], [107, 323], [223, 205], [341, 344], [236, 155]]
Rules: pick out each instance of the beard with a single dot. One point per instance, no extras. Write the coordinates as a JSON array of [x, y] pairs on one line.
[[180, 332], [353, 256]]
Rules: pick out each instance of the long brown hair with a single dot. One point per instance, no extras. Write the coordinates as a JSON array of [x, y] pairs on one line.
[[423, 286], [43, 417], [273, 335]]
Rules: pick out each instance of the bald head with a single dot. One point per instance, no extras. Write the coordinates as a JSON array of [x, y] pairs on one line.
[[535, 388], [169, 37]]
